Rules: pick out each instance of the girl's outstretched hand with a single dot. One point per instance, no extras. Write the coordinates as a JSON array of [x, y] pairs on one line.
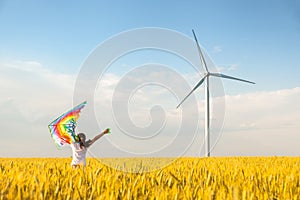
[[106, 131]]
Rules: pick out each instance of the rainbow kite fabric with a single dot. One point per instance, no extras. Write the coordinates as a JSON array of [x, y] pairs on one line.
[[62, 129]]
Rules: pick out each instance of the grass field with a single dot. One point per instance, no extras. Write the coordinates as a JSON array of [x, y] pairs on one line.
[[185, 178]]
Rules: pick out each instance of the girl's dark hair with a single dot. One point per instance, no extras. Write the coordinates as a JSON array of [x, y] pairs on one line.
[[80, 142]]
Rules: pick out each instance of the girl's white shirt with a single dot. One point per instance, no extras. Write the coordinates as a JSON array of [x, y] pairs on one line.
[[79, 154]]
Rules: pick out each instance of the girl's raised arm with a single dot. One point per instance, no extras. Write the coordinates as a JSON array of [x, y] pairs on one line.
[[90, 142]]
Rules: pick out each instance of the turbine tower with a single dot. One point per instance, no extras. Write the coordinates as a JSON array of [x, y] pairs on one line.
[[207, 74]]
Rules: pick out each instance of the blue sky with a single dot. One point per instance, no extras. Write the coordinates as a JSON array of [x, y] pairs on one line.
[[261, 36], [255, 40]]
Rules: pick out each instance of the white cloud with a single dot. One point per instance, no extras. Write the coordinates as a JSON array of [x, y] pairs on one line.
[[232, 67], [34, 93], [265, 110], [261, 123], [217, 49], [224, 68]]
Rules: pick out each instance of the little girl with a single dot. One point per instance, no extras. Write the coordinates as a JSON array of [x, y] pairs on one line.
[[79, 148]]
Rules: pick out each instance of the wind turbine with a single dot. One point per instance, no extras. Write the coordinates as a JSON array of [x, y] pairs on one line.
[[207, 74]]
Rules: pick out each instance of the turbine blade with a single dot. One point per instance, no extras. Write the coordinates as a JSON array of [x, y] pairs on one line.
[[230, 77], [200, 53], [198, 84]]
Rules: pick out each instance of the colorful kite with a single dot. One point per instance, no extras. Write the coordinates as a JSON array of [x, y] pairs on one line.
[[62, 129]]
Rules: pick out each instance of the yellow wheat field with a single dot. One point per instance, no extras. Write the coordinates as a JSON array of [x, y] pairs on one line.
[[185, 178]]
